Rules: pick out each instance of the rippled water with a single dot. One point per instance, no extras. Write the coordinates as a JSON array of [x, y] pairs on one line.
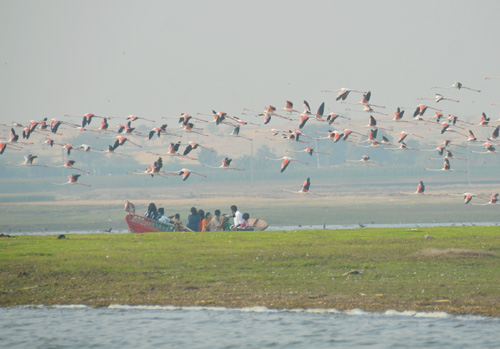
[[192, 327]]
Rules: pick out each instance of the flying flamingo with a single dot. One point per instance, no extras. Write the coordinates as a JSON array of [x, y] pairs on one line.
[[236, 133], [286, 162], [420, 110], [365, 159], [73, 179], [158, 131], [405, 134], [121, 141], [490, 149], [372, 122], [185, 173], [289, 108], [448, 155], [398, 116], [342, 93], [333, 116], [446, 168], [438, 98], [226, 162], [69, 165], [308, 150], [484, 120], [133, 118], [495, 133], [334, 135], [304, 189], [420, 190], [493, 200], [459, 86], [366, 108], [192, 146]]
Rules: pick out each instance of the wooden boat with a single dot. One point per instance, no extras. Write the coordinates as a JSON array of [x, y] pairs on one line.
[[141, 224]]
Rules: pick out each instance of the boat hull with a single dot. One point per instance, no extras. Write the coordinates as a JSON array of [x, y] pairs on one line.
[[140, 224]]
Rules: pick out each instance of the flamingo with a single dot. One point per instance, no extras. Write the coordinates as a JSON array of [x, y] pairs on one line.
[[446, 128], [193, 145], [133, 118], [121, 141], [69, 165], [286, 162], [493, 200], [446, 168], [185, 173], [304, 189], [157, 131], [372, 122], [490, 149], [405, 134], [365, 159], [421, 109], [226, 162], [398, 116], [342, 93], [420, 188], [366, 108], [484, 120], [303, 119], [334, 135], [438, 98], [333, 116], [236, 133], [73, 179], [495, 133], [458, 86], [293, 136], [87, 148], [308, 150], [448, 155], [289, 108]]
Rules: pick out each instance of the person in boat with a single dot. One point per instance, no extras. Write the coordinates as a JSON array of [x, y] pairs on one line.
[[193, 219], [201, 213], [216, 222], [178, 224], [244, 223], [130, 207], [151, 211], [238, 217], [161, 216], [205, 223]]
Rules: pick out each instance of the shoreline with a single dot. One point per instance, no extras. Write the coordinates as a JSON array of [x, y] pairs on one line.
[[285, 228], [263, 309]]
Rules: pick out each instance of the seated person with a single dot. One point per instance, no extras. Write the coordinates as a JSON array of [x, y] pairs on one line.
[[193, 220], [151, 212], [161, 216], [238, 217], [244, 223], [177, 223], [217, 222]]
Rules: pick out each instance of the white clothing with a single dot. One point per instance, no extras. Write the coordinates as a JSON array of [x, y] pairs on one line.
[[238, 218]]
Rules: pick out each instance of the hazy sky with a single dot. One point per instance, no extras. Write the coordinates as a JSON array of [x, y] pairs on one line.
[[161, 58]]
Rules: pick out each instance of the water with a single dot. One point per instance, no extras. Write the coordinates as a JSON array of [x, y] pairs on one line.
[[195, 327], [292, 227]]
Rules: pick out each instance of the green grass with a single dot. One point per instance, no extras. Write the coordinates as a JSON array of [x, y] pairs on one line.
[[274, 269]]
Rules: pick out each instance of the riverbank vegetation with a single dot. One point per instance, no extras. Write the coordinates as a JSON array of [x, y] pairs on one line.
[[451, 269]]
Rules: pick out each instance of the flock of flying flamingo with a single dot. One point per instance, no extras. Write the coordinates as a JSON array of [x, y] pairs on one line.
[[452, 131]]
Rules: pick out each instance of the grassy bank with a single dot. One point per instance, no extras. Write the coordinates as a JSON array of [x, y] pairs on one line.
[[456, 271]]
